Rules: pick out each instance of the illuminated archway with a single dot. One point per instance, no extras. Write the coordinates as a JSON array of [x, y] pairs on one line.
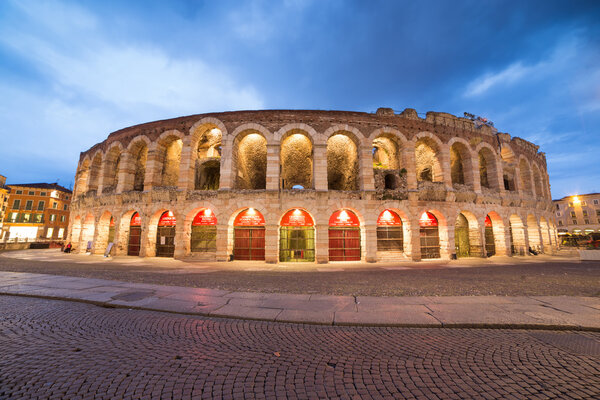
[[344, 236], [429, 234], [249, 235], [296, 236], [165, 235], [203, 238], [390, 237]]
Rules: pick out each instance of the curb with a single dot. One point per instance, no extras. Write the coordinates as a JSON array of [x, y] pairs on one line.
[[542, 327]]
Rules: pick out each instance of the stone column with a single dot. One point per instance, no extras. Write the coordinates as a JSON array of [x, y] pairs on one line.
[[182, 239], [474, 174], [126, 173], [367, 180], [415, 238], [153, 174], [320, 166], [273, 167], [410, 165], [271, 244], [370, 242], [186, 166], [444, 159], [500, 176], [148, 246], [222, 238], [226, 170], [322, 243]]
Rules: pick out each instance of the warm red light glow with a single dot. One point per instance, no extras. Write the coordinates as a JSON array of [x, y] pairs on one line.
[[249, 217], [428, 219], [297, 217], [204, 217], [167, 219], [344, 218], [136, 220], [389, 217], [488, 221]]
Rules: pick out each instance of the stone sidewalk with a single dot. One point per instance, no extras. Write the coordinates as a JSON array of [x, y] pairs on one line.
[[541, 312]]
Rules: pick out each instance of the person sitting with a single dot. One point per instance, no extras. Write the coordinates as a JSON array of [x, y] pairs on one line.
[[68, 247], [532, 251]]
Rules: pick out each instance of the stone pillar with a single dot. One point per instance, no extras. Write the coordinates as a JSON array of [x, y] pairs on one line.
[[186, 166], [370, 242], [475, 176], [273, 167], [447, 246], [271, 244], [222, 237], [320, 166], [500, 175], [153, 166], [415, 238], [102, 176], [100, 237], [444, 159], [410, 165], [322, 243], [126, 173], [148, 245], [367, 180], [182, 239]]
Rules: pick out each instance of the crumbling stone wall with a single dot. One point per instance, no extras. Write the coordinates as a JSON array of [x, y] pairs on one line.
[[342, 163], [296, 161]]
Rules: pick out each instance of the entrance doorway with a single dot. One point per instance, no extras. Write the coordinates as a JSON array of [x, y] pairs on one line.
[[344, 236], [296, 237], [204, 232], [490, 245], [429, 233], [111, 231], [249, 236], [135, 235], [389, 232], [165, 235], [461, 237]]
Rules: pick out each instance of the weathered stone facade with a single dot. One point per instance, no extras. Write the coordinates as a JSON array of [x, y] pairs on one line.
[[318, 161]]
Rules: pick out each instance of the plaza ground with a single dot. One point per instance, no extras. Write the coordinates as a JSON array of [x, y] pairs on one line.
[[500, 276]]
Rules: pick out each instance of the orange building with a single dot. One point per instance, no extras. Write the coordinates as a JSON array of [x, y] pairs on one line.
[[3, 200], [37, 212]]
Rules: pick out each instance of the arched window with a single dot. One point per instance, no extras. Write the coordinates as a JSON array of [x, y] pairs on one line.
[[342, 163]]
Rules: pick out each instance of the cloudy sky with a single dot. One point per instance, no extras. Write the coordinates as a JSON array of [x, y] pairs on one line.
[[71, 72]]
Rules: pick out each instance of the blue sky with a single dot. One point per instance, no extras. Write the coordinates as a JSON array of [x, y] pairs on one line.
[[72, 72]]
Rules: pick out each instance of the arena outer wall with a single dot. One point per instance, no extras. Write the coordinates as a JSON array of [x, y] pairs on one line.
[[364, 163]]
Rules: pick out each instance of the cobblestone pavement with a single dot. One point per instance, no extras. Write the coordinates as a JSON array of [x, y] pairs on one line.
[[55, 349], [545, 276]]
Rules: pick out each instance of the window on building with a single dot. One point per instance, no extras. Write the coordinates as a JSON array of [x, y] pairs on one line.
[[62, 218], [67, 197], [27, 217], [41, 205], [65, 207], [559, 223], [31, 193], [42, 193], [14, 216], [573, 214], [38, 218], [558, 214], [585, 214], [29, 205], [570, 204], [596, 202], [52, 217], [49, 233], [16, 204], [54, 205], [19, 192], [586, 221], [583, 203], [598, 213], [574, 222], [558, 206], [61, 233]]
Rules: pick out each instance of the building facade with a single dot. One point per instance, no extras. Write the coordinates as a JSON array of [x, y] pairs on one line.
[[3, 203], [37, 212], [316, 186], [579, 214]]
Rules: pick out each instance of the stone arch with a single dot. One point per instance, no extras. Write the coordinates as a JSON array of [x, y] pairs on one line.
[[244, 128], [249, 164], [112, 165], [102, 232], [342, 247], [388, 163], [308, 130], [406, 223], [488, 167], [87, 232], [95, 171], [81, 181], [206, 145], [231, 227], [428, 152], [461, 166], [498, 232], [516, 232], [525, 176], [533, 233], [153, 228], [343, 160], [350, 131], [124, 226], [545, 232], [509, 163], [138, 157], [443, 238], [467, 236], [296, 160], [168, 158], [188, 219]]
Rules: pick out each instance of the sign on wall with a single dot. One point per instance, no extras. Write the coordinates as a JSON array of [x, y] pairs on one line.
[[167, 219], [389, 218], [204, 217], [249, 217], [136, 220], [343, 218], [297, 217], [428, 219]]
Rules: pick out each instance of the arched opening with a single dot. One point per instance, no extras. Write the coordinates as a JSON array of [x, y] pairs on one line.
[[487, 169], [94, 175], [533, 233], [103, 236], [461, 236], [250, 161], [490, 243], [517, 235], [296, 236], [386, 163], [204, 232], [429, 234], [508, 168], [165, 235], [545, 231], [82, 178], [342, 163], [390, 237], [427, 162], [390, 182], [112, 164], [170, 158], [249, 235], [139, 155], [460, 164], [87, 233], [208, 160], [134, 241], [525, 176], [344, 236], [296, 161]]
